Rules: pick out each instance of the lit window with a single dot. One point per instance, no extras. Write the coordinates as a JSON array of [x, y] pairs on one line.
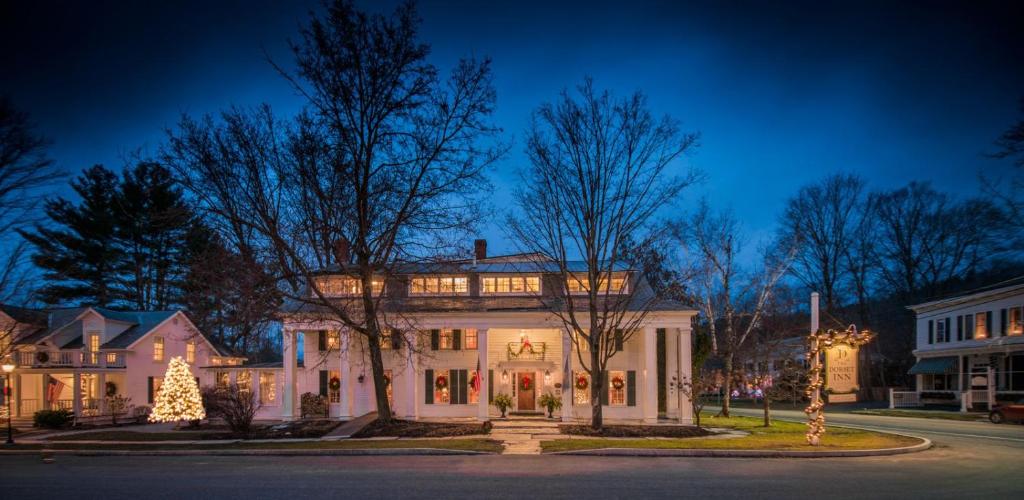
[[510, 284], [334, 379], [469, 339], [475, 382], [244, 381], [446, 339], [385, 340], [333, 339], [616, 388], [268, 389], [445, 285], [1016, 326], [442, 387], [578, 284], [158, 349], [340, 286], [222, 379], [581, 388], [980, 328], [94, 347], [190, 353], [158, 382], [112, 358]]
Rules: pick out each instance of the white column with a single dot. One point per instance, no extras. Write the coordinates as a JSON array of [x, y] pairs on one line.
[[685, 373], [567, 381], [483, 413], [412, 377], [346, 375], [671, 373], [650, 376], [290, 361], [76, 393], [101, 392]]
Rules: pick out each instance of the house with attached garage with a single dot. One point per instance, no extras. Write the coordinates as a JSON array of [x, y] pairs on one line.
[[74, 358], [970, 347], [472, 329]]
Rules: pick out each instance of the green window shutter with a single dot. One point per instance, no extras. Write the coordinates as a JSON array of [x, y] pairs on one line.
[[949, 333], [323, 382], [429, 392], [988, 324], [464, 387], [149, 388], [618, 339], [321, 340], [456, 339], [968, 327], [396, 339], [435, 339], [959, 327], [490, 386], [1002, 322], [453, 387], [931, 332], [604, 387], [631, 388]]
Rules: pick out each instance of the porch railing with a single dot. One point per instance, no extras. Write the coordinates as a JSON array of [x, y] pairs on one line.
[[904, 399], [67, 359]]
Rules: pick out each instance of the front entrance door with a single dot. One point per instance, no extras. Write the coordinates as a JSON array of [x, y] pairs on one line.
[[526, 383]]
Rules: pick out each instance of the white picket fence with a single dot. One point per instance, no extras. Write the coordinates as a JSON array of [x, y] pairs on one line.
[[904, 399]]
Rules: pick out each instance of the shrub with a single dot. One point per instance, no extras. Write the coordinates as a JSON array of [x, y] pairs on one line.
[[503, 402], [117, 405], [313, 405], [235, 406], [53, 419]]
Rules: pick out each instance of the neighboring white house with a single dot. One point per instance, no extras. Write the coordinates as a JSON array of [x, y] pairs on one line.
[[74, 358], [480, 327], [971, 345]]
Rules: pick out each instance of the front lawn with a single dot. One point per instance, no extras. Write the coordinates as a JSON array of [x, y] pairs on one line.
[[285, 430], [637, 431], [482, 445], [780, 436], [937, 414], [409, 428]]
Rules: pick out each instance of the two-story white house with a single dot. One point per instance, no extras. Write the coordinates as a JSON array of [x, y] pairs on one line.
[[473, 329], [74, 358], [971, 345]]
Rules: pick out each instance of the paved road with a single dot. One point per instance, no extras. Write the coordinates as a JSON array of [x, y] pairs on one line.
[[971, 460]]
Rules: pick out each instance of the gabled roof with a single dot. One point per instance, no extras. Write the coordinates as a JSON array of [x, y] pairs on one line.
[[25, 315], [1013, 285], [142, 323], [520, 263]]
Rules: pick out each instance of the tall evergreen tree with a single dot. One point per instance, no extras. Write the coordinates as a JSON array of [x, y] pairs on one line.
[[76, 252]]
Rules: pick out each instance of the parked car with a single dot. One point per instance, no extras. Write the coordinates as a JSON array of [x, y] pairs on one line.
[[1004, 412]]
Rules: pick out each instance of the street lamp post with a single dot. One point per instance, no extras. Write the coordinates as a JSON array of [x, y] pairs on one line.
[[8, 367]]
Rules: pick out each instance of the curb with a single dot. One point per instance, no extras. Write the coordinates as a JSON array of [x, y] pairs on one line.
[[647, 452], [233, 453]]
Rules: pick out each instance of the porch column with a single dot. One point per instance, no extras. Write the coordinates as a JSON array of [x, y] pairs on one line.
[[290, 361], [44, 381], [567, 381], [685, 373], [101, 392], [16, 390], [483, 412], [411, 378], [344, 371], [671, 371], [650, 375], [76, 394]]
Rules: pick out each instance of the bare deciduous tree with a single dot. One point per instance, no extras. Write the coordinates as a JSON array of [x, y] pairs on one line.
[[600, 167], [732, 299], [384, 159]]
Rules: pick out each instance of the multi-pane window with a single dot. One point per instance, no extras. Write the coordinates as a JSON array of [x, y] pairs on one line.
[[446, 339], [190, 352], [442, 387], [94, 348], [581, 388], [268, 389], [158, 349], [334, 379], [581, 284], [940, 331], [617, 388], [244, 381], [510, 284], [341, 286], [158, 382], [980, 327], [333, 339], [439, 285], [222, 379], [1016, 321], [469, 339]]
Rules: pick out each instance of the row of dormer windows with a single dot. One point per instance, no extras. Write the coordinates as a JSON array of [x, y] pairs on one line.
[[340, 286]]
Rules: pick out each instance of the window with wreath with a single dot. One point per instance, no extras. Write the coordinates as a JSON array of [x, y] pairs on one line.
[[442, 387], [581, 388], [268, 388], [617, 388], [334, 386]]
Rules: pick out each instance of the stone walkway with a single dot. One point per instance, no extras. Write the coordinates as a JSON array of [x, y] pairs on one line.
[[522, 435]]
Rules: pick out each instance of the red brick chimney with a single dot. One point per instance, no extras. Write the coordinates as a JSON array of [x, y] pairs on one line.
[[480, 249], [341, 251]]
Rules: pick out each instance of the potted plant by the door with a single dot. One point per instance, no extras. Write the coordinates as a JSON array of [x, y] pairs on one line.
[[503, 402], [550, 402]]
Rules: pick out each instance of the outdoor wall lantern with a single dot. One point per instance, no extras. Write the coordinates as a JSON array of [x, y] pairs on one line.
[[547, 377], [504, 376]]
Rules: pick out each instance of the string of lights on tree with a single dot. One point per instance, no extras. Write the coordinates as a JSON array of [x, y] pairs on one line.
[[178, 399], [817, 342]]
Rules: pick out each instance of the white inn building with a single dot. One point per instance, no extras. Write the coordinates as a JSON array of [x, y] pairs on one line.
[[970, 347], [482, 327]]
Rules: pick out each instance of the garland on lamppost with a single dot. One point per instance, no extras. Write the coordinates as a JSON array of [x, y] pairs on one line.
[[818, 341]]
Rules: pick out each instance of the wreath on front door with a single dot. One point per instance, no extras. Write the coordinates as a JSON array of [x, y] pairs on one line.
[[334, 384], [441, 383], [525, 383], [111, 389], [582, 383], [618, 383], [42, 357]]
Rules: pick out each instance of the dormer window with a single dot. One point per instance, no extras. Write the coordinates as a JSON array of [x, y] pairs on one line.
[[512, 285], [618, 284], [439, 285], [344, 286]]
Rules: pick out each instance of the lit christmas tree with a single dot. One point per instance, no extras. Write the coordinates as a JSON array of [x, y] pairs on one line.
[[179, 398]]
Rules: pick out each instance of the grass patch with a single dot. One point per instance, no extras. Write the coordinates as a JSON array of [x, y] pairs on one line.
[[935, 414], [676, 431], [296, 429], [484, 445], [408, 428], [138, 436], [780, 436]]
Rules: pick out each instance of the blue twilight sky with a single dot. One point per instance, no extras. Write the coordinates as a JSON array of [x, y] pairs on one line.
[[782, 92]]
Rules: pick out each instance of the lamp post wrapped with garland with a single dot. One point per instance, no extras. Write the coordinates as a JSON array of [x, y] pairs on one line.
[[818, 341]]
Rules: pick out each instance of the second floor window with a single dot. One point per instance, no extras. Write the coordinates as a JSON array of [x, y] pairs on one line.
[[469, 339], [158, 349], [190, 353], [446, 339], [94, 347], [510, 284], [940, 331], [438, 285], [581, 284], [341, 286], [980, 326], [1016, 326]]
